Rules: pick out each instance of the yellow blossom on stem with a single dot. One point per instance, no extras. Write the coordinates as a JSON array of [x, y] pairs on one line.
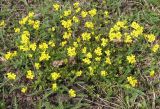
[[78, 73], [84, 14], [86, 60], [76, 4], [54, 87], [11, 76], [131, 59], [103, 73], [86, 36], [152, 73], [98, 51], [43, 46], [33, 46], [16, 30], [66, 24], [56, 6], [89, 25], [72, 93], [155, 48], [108, 60], [92, 12], [37, 65], [44, 56], [71, 51], [132, 81], [2, 23], [55, 76], [67, 13], [30, 74], [23, 89]]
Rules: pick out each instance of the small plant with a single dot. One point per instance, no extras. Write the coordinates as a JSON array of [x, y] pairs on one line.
[[77, 45]]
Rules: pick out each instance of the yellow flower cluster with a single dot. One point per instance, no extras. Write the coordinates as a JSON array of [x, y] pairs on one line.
[[72, 93], [71, 51], [131, 59], [138, 30], [155, 48], [2, 23], [89, 25], [23, 89], [55, 76], [86, 36], [67, 24], [30, 74], [132, 81], [54, 87], [11, 76], [10, 55], [56, 6]]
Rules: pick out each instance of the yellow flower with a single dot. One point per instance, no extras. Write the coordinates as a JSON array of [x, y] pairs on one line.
[[55, 76], [23, 89], [54, 87], [132, 81], [37, 65], [135, 25], [131, 59], [33, 46], [89, 25], [106, 13], [63, 43], [67, 13], [127, 38], [75, 44], [86, 36], [56, 6], [155, 48], [30, 55], [104, 42], [51, 43], [16, 30], [71, 51], [31, 22], [107, 52], [43, 46], [44, 56], [98, 58], [150, 37], [76, 4], [103, 73], [108, 60], [98, 51], [30, 14], [152, 73], [89, 55], [84, 50], [84, 14], [53, 29], [91, 70], [78, 9], [10, 55], [66, 24], [23, 20], [30, 74], [66, 35], [87, 60], [72, 93], [11, 76], [75, 19], [92, 12], [78, 73], [2, 23], [36, 24]]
